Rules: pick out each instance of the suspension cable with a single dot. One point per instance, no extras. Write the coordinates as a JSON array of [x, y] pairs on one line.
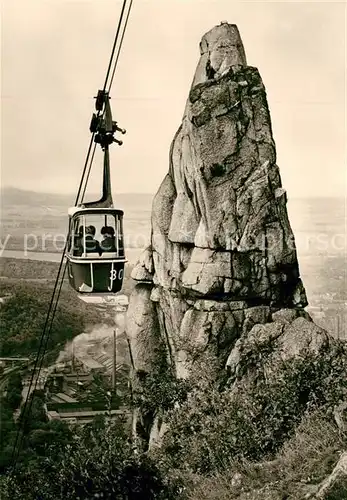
[[88, 173], [84, 169], [112, 77], [60, 275], [115, 44], [25, 412], [98, 114], [120, 45], [42, 345]]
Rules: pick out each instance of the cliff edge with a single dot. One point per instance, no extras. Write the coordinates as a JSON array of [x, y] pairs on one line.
[[222, 256]]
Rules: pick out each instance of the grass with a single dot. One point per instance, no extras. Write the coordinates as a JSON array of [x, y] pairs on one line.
[[303, 462]]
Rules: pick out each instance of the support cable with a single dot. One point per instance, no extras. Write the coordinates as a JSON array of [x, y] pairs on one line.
[[120, 45], [38, 362], [87, 162], [111, 81], [88, 173], [61, 273]]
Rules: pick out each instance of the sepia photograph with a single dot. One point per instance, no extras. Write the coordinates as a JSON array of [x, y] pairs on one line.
[[173, 250]]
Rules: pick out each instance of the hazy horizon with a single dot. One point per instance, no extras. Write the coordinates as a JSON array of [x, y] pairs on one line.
[[139, 193], [54, 57]]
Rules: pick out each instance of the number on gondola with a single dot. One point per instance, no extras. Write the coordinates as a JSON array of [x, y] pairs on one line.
[[116, 276]]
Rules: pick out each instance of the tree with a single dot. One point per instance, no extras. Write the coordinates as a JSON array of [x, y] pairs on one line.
[[14, 398], [15, 381], [96, 464], [23, 315], [34, 415], [14, 390]]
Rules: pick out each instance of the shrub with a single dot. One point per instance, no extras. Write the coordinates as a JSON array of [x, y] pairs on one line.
[[299, 466], [213, 428], [14, 390], [100, 464], [159, 389]]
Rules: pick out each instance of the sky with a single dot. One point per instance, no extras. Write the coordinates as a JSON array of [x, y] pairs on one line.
[[54, 55]]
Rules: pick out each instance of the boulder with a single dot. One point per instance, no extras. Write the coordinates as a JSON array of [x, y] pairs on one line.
[[289, 336]]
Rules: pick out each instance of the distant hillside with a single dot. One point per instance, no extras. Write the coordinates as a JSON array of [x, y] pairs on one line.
[[39, 217], [11, 196], [14, 271]]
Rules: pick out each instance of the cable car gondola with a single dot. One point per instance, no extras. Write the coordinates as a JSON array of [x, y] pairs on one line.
[[95, 267], [95, 250]]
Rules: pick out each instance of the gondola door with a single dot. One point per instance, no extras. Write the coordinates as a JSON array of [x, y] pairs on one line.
[[96, 251]]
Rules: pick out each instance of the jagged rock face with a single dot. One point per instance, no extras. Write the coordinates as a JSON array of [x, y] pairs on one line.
[[222, 256], [290, 334]]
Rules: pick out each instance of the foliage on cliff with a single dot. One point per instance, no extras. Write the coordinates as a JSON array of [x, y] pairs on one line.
[[254, 420], [273, 438], [158, 388], [295, 473]]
